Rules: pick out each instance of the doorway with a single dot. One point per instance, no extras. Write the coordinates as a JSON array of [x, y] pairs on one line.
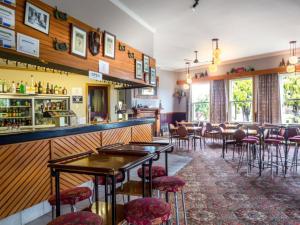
[[97, 103]]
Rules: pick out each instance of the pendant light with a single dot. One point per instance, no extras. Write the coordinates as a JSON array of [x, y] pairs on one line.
[[213, 67], [290, 67], [293, 59], [186, 86], [189, 79], [216, 51], [196, 59]]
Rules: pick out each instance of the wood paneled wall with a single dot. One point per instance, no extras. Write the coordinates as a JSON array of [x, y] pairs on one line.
[[121, 66], [24, 177]]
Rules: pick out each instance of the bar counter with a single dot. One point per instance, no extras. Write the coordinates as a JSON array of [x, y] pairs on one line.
[[25, 178]]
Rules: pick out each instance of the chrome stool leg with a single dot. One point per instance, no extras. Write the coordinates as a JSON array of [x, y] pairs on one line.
[[183, 206], [176, 208]]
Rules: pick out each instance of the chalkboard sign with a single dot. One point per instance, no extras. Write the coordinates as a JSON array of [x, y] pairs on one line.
[[77, 99]]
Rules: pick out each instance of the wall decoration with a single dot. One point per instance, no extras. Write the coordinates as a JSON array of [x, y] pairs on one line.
[[146, 63], [130, 55], [103, 67], [78, 41], [9, 2], [28, 45], [282, 63], [95, 75], [150, 91], [7, 17], [95, 42], [201, 74], [60, 46], [122, 47], [241, 70], [153, 76], [60, 15], [138, 69], [7, 38], [109, 45], [37, 18]]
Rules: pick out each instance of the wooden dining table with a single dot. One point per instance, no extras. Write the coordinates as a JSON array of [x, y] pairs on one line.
[[188, 123], [107, 163]]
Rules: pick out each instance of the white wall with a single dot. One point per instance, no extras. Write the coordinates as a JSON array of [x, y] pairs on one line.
[[107, 16]]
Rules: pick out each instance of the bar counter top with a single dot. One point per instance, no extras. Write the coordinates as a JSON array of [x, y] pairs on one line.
[[32, 134]]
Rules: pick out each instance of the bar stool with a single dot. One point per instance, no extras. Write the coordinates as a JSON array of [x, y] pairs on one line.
[[147, 211], [76, 218], [294, 163], [172, 184], [157, 171], [71, 197], [248, 142]]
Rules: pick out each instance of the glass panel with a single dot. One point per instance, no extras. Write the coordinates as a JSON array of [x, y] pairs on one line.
[[200, 101], [201, 111]]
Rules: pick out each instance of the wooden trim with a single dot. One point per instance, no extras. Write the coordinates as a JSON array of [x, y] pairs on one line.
[[239, 75]]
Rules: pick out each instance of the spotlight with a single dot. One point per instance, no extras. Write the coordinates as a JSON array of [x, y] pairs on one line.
[[196, 3]]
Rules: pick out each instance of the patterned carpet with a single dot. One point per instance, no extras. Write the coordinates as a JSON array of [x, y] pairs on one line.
[[217, 194]]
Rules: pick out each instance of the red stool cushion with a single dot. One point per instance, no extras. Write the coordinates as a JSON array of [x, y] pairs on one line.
[[101, 179], [274, 136], [253, 137], [147, 211], [272, 141], [249, 141], [72, 196], [295, 139], [168, 183], [78, 218], [157, 171]]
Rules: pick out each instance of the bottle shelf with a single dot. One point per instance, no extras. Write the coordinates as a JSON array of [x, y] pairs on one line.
[[20, 106], [17, 117]]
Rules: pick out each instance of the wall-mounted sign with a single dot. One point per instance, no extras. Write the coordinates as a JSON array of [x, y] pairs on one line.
[[9, 2], [76, 91], [7, 38], [103, 67], [7, 17], [77, 99], [28, 45], [95, 75]]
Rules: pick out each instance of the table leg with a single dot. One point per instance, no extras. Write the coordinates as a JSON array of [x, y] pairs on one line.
[[105, 189], [150, 178], [57, 193], [260, 158], [128, 179], [223, 148], [285, 158], [166, 163], [96, 189], [143, 180], [113, 199]]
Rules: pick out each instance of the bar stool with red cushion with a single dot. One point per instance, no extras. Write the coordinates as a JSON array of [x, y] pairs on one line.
[[157, 171], [249, 142], [171, 184], [71, 197], [296, 141], [78, 218], [147, 211]]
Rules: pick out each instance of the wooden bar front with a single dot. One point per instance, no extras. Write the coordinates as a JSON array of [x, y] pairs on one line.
[[25, 178]]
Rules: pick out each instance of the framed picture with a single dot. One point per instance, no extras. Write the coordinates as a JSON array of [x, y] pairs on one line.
[[148, 91], [28, 45], [153, 76], [7, 17], [7, 38], [78, 42], [109, 45], [9, 2], [146, 63], [37, 18], [138, 69]]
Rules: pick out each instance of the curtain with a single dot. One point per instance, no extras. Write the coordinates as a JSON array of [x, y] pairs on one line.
[[268, 99], [218, 101]]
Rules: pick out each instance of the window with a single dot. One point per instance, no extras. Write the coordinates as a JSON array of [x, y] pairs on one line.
[[200, 102], [240, 100], [290, 98]]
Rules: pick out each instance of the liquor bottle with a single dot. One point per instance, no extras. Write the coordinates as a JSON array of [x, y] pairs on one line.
[[22, 88], [18, 88], [65, 92], [5, 88], [27, 88], [1, 86], [40, 88], [52, 89], [48, 89], [56, 90], [13, 88], [44, 91], [36, 89], [32, 88]]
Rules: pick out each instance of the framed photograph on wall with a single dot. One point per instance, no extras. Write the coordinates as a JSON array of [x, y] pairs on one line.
[[7, 17], [153, 76], [138, 69], [109, 45], [28, 45], [7, 38], [146, 63], [78, 42], [37, 18], [9, 2]]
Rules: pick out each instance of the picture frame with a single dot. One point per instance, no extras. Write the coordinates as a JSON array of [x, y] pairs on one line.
[[78, 41], [9, 2], [28, 45], [148, 91], [146, 63], [7, 17], [37, 18], [109, 45], [7, 38], [138, 69], [153, 76]]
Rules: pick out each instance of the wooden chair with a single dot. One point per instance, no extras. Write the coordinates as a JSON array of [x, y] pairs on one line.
[[183, 135], [173, 133]]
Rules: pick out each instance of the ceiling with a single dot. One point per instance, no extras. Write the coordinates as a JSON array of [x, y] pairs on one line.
[[245, 28]]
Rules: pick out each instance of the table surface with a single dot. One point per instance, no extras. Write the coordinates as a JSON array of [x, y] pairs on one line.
[[110, 163], [146, 147], [190, 128], [232, 131]]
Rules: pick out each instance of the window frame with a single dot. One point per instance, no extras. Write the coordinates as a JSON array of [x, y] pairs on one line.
[[193, 103]]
